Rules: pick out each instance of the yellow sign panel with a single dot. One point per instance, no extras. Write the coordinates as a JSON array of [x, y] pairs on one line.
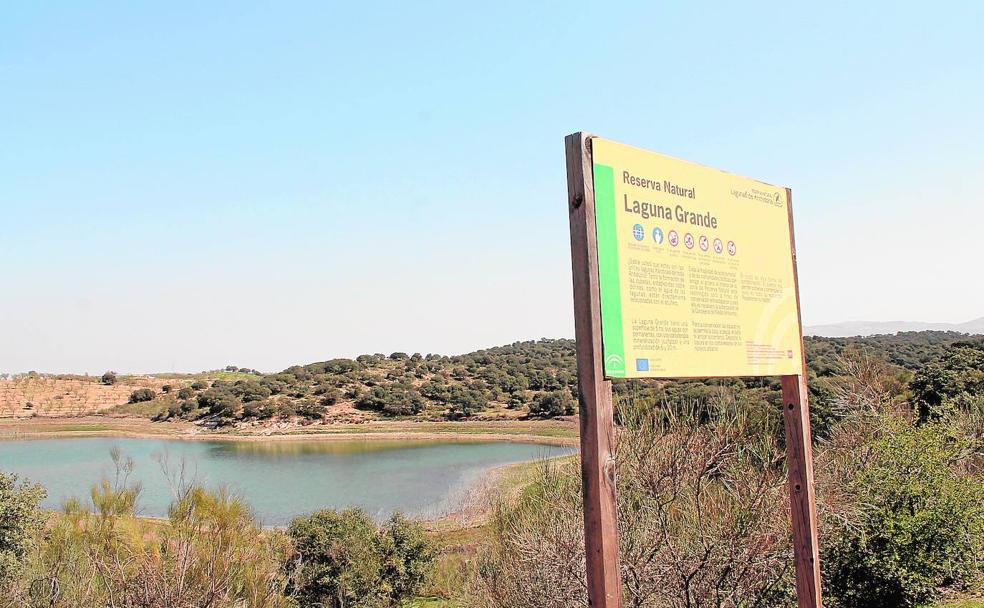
[[695, 268]]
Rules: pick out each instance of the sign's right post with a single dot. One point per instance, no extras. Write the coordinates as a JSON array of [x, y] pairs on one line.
[[802, 500], [799, 459]]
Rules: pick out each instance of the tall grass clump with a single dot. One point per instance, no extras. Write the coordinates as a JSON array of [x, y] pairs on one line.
[[209, 552], [700, 519]]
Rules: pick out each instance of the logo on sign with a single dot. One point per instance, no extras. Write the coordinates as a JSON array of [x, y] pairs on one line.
[[688, 240], [642, 365], [613, 361], [718, 246], [658, 235], [638, 233], [673, 237], [732, 248], [703, 243]]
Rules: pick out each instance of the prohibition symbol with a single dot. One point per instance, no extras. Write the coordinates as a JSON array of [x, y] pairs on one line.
[[718, 246], [732, 248], [673, 237], [688, 240], [703, 243]]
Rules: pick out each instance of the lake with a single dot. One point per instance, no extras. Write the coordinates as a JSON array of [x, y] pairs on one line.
[[279, 479]]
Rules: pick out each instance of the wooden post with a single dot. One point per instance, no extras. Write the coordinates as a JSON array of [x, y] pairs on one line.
[[799, 460], [802, 500], [596, 413]]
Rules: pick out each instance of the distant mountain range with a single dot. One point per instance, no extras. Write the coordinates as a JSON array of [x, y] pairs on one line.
[[869, 328]]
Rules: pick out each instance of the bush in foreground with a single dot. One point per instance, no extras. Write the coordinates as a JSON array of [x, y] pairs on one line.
[[21, 520], [209, 552], [701, 524], [345, 561], [907, 514]]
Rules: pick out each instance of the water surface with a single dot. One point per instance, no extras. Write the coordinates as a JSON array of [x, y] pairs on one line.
[[279, 479]]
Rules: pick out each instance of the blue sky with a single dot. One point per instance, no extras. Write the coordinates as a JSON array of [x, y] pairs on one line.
[[189, 185]]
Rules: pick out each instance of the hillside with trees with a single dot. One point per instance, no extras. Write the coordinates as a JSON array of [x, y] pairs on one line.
[[523, 380], [530, 379]]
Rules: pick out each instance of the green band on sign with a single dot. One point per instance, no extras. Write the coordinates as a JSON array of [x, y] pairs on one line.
[[608, 270]]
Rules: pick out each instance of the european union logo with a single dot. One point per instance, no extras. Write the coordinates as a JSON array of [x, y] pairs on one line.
[[642, 365]]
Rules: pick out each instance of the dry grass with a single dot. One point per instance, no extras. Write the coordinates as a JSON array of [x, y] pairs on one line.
[[44, 396]]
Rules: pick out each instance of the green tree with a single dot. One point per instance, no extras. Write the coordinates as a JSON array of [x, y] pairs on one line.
[[466, 401], [219, 401], [554, 403], [109, 378], [394, 399]]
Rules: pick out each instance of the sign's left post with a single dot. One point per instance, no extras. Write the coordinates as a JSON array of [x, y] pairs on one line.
[[595, 392]]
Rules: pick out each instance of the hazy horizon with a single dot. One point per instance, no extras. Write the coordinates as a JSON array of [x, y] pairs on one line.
[[185, 187]]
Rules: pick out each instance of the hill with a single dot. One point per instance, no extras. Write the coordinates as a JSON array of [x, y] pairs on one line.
[[870, 328], [523, 379], [54, 395]]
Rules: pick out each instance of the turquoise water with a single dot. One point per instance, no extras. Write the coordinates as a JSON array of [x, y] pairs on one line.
[[279, 479]]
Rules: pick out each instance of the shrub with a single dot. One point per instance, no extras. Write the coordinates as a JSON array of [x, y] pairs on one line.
[[21, 521], [259, 409], [311, 410], [142, 394], [395, 399], [274, 385], [219, 401], [345, 561], [330, 397], [173, 410], [702, 521], [210, 552], [199, 385], [914, 521], [465, 402], [408, 556], [186, 392], [554, 403], [250, 390], [109, 378]]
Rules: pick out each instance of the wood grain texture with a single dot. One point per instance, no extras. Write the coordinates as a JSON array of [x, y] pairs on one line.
[[596, 412], [799, 459]]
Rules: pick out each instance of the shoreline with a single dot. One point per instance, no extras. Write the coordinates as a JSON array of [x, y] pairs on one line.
[[503, 482], [561, 434]]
